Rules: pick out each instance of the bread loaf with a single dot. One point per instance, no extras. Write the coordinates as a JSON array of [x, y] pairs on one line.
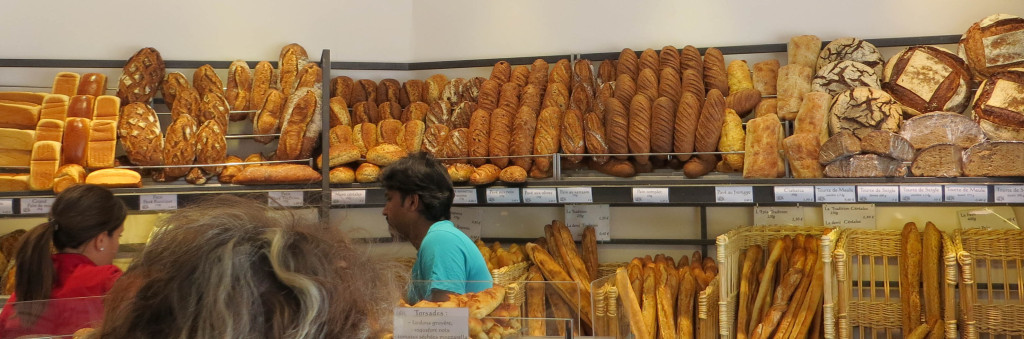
[[452, 91], [939, 160], [269, 116], [17, 139], [460, 173], [762, 158], [81, 106], [102, 144], [840, 145], [15, 158], [594, 137], [625, 88], [583, 74], [649, 60], [743, 101], [864, 109], [367, 172], [715, 76], [54, 106], [291, 59], [390, 132], [341, 135], [230, 171], [501, 72], [65, 83], [685, 125], [461, 115], [926, 79], [738, 75], [67, 176], [640, 128], [205, 80], [214, 108], [670, 84], [173, 83], [484, 175], [411, 92], [280, 174], [581, 98], [769, 106], [114, 178], [994, 159], [343, 86], [561, 73], [794, 82], [508, 97], [179, 146], [888, 144], [50, 130], [255, 159], [707, 134], [935, 128], [520, 77], [211, 147], [339, 112], [76, 142], [556, 96], [910, 277], [990, 45], [997, 107], [416, 111], [435, 87], [300, 125], [523, 131], [433, 139], [187, 102], [456, 146], [865, 166], [310, 75], [342, 175], [239, 88], [802, 150], [733, 139], [488, 98], [647, 84], [479, 136], [107, 107], [18, 115], [604, 92], [140, 76], [804, 50], [546, 139], [766, 76], [839, 76], [628, 64], [852, 49], [263, 80], [538, 74], [345, 153], [606, 71], [45, 161], [94, 84], [811, 118], [384, 154], [932, 276]]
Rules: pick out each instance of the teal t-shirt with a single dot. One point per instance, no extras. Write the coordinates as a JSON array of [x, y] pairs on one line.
[[447, 260]]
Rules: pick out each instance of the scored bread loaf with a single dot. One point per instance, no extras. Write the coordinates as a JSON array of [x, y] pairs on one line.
[[939, 160], [341, 154], [459, 172], [214, 107], [501, 72], [926, 79], [268, 116], [989, 45], [456, 146], [140, 76], [263, 80], [75, 149], [411, 92], [172, 83], [997, 107], [794, 82], [384, 154], [205, 80], [388, 90], [239, 88], [102, 144], [932, 276], [685, 125], [342, 175], [802, 150], [628, 64], [433, 139], [649, 60], [910, 276], [230, 171], [708, 132], [523, 131], [546, 140], [139, 131], [65, 83], [594, 138], [389, 131], [572, 135], [484, 175], [339, 112], [715, 76], [179, 147], [291, 59], [460, 115], [188, 102], [46, 159], [994, 159], [309, 75], [863, 109], [538, 74], [647, 84], [301, 113], [211, 147], [277, 174], [639, 140], [762, 158], [616, 125], [512, 175]]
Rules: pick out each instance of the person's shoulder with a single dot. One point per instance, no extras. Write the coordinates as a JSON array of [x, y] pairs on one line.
[[97, 279]]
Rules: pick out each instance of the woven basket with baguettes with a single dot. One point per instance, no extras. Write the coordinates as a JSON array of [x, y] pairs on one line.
[[991, 282]]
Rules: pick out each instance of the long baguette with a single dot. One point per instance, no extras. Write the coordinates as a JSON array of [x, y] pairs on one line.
[[697, 269], [763, 297], [552, 245], [535, 302], [910, 277], [811, 307], [650, 300], [931, 273], [636, 276], [684, 304], [630, 305], [559, 309], [782, 296], [799, 297], [571, 257], [588, 247], [666, 294], [553, 272], [747, 279], [784, 258], [938, 331], [817, 328]]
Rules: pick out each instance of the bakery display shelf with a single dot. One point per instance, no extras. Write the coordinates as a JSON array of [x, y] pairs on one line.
[[684, 242], [93, 63]]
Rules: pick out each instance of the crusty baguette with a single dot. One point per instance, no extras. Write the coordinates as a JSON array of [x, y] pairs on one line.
[[588, 247], [762, 299], [747, 280], [666, 292], [570, 256], [559, 310], [910, 277], [553, 272], [938, 330], [552, 244], [277, 174], [931, 273], [684, 303], [649, 307], [918, 332], [697, 269], [780, 302], [630, 305], [797, 300], [635, 268]]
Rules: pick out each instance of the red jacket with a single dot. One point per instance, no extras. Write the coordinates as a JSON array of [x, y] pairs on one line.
[[77, 299]]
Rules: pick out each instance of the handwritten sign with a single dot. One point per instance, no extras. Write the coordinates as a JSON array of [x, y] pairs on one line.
[[734, 194], [158, 202], [540, 196], [966, 193], [469, 220], [431, 323], [503, 195], [348, 197], [994, 217], [578, 217], [849, 215], [285, 198], [6, 206], [778, 215], [465, 196], [658, 195], [835, 193], [920, 193], [878, 193], [1009, 194], [575, 195], [794, 193]]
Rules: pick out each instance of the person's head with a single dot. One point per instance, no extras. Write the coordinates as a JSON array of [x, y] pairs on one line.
[[230, 267], [86, 219], [416, 186]]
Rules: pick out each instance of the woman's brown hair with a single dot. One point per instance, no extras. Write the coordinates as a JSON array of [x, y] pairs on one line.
[[78, 215], [229, 267]]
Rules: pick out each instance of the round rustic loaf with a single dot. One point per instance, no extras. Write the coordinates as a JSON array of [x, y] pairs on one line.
[[927, 79], [852, 49], [140, 76], [839, 76], [999, 106], [863, 109], [993, 44]]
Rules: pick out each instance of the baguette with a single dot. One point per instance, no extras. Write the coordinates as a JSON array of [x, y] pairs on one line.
[[535, 302], [570, 256], [761, 300], [230, 171], [796, 301], [931, 274], [635, 268], [553, 272], [649, 308], [811, 306], [277, 174], [559, 310], [684, 303], [551, 245], [910, 277], [918, 332], [747, 279], [588, 249], [114, 178], [782, 295], [667, 292], [630, 305]]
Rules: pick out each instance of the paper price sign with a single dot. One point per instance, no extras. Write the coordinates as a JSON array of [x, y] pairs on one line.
[[578, 217], [465, 196], [6, 206], [794, 193], [967, 193], [469, 220], [734, 194], [285, 198], [920, 193], [878, 193], [503, 195], [1009, 193], [158, 202], [650, 195], [575, 195], [348, 197], [835, 193], [849, 215], [540, 196], [778, 215], [995, 217], [431, 323]]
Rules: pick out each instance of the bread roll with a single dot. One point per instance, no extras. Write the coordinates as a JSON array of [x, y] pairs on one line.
[[594, 137], [54, 106], [733, 139], [628, 64], [49, 130], [269, 115], [794, 82], [572, 135], [412, 136], [367, 172], [802, 151], [279, 174], [512, 175], [102, 144], [926, 79], [715, 76], [187, 102], [300, 125], [205, 80], [239, 88], [548, 134], [523, 130], [76, 142], [345, 153], [46, 158], [803, 50], [685, 125], [390, 131], [291, 59], [766, 75], [67, 176], [65, 83], [114, 178], [762, 158], [385, 154], [107, 107], [342, 175], [140, 76], [340, 135]]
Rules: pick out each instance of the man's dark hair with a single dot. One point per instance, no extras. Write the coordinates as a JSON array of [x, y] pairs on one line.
[[421, 174]]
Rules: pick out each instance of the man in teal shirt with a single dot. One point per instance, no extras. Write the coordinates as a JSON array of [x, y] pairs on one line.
[[419, 197]]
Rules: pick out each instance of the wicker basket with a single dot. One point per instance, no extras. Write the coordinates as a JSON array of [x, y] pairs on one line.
[[730, 245], [872, 309], [511, 273], [707, 310], [608, 268], [991, 282]]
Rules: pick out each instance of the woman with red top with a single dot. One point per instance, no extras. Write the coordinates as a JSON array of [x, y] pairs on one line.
[[51, 290]]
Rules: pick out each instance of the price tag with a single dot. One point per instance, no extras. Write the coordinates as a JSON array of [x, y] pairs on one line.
[[1010, 193], [835, 193], [995, 217], [285, 198], [878, 193], [794, 193], [575, 195], [734, 194], [503, 195], [657, 195], [540, 196], [469, 220], [778, 215], [6, 206], [465, 196], [920, 193], [431, 322], [348, 197], [967, 193], [158, 202], [578, 217], [849, 215]]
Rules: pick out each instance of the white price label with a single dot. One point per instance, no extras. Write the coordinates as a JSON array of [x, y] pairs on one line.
[[734, 194], [6, 206], [920, 193], [994, 217], [835, 193], [575, 195], [431, 322], [158, 202], [348, 197], [578, 217], [794, 193], [469, 220], [967, 193], [540, 196], [1009, 193], [466, 196], [849, 215], [878, 193], [285, 198], [658, 195], [503, 195], [778, 215]]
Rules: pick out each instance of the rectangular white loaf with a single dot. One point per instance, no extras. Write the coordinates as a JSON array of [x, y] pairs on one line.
[[18, 139]]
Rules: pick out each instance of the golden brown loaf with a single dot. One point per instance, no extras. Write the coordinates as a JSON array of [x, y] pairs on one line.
[[102, 144], [669, 58], [910, 276], [625, 88], [640, 128], [531, 98], [179, 146], [339, 112], [479, 136], [65, 83], [996, 106], [715, 76], [435, 87], [434, 138], [488, 97], [864, 109], [140, 76], [561, 73], [605, 92], [365, 111], [54, 106], [140, 136], [500, 136], [340, 134], [461, 115], [416, 111], [794, 82], [484, 175], [45, 160], [211, 147], [385, 154], [926, 79], [359, 93], [989, 45], [187, 102], [546, 139], [616, 124], [300, 125], [708, 132], [670, 84], [389, 90], [581, 98], [767, 106], [11, 157], [452, 91], [583, 74], [343, 86], [50, 130], [254, 159], [115, 178], [342, 175], [342, 154], [663, 116], [214, 107], [239, 88], [732, 140], [524, 128], [94, 84], [694, 84], [106, 107], [804, 50], [459, 172], [456, 145], [76, 141], [520, 76], [628, 64], [647, 84], [594, 137], [501, 72], [411, 91], [557, 96], [263, 80], [292, 58], [508, 98], [367, 172], [690, 59], [67, 176], [762, 159], [389, 130], [606, 71], [81, 106], [389, 110], [205, 80], [310, 75], [268, 118], [572, 136], [412, 136], [439, 113], [811, 118], [230, 171], [738, 74], [649, 60], [282, 174], [766, 76], [513, 175], [538, 74]]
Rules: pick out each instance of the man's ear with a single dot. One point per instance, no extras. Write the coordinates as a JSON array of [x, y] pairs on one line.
[[412, 202]]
